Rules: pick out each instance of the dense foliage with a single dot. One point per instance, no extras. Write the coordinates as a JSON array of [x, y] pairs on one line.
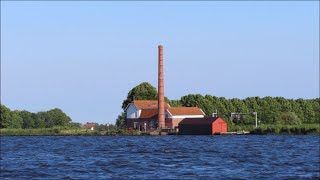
[[27, 120], [271, 110]]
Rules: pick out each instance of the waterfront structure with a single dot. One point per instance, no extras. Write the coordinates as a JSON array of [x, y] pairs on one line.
[[143, 115], [161, 109], [202, 126], [150, 115]]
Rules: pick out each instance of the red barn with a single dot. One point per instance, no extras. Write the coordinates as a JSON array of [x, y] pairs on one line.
[[202, 126]]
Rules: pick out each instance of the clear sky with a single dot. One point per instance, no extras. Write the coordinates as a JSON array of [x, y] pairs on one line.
[[84, 57]]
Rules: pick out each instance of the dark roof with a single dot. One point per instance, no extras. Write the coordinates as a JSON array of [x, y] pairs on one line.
[[149, 113], [180, 111], [207, 120]]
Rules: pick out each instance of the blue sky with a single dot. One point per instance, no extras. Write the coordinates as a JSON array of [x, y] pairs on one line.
[[84, 57]]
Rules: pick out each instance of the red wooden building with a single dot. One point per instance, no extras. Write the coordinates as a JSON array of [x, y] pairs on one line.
[[202, 126]]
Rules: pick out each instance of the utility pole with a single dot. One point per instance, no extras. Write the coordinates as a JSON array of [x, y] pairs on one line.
[[256, 114], [215, 114]]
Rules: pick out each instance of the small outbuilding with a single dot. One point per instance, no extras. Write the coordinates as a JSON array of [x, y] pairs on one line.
[[91, 126], [202, 126]]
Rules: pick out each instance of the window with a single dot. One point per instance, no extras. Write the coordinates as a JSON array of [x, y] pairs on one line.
[[136, 114]]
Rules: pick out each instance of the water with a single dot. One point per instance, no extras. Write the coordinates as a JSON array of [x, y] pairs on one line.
[[160, 157]]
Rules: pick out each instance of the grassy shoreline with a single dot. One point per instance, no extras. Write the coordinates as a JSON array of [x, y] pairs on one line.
[[305, 129], [64, 132]]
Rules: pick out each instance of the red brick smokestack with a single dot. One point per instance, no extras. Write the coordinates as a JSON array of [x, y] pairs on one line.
[[161, 115]]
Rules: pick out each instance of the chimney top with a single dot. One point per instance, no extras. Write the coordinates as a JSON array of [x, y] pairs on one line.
[[160, 46]]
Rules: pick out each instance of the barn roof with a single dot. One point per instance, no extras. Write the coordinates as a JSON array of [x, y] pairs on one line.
[[148, 104], [180, 111], [149, 113], [208, 120]]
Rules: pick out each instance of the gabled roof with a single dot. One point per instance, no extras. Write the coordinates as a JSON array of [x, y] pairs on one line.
[[89, 125], [149, 113], [198, 121], [181, 111], [148, 104]]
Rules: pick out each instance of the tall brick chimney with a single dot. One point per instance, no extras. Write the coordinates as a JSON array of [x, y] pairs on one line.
[[161, 115]]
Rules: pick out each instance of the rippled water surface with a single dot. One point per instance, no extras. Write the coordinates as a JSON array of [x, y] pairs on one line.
[[160, 157]]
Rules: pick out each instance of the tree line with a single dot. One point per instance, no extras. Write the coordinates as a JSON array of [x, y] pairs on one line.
[[271, 110], [47, 119], [27, 120]]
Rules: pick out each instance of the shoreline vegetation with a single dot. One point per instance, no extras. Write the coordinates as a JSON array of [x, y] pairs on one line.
[[305, 129], [276, 115]]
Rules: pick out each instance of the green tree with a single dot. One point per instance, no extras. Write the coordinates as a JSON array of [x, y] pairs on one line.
[[229, 108], [239, 105], [57, 117], [296, 108], [16, 120], [40, 123], [316, 110], [121, 121], [285, 105], [40, 120], [28, 120], [287, 118], [269, 108], [143, 91], [197, 100], [5, 115], [9, 119], [252, 104], [174, 103], [75, 125], [308, 111]]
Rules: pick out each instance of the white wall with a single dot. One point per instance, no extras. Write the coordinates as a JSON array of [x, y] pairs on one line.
[[189, 116], [168, 115], [131, 111]]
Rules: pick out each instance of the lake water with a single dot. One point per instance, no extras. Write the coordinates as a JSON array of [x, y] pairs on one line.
[[160, 157]]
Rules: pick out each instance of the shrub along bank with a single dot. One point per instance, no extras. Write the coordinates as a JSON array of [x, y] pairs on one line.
[[303, 129], [64, 132]]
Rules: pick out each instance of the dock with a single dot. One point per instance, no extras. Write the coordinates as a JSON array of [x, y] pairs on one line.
[[163, 133], [235, 133]]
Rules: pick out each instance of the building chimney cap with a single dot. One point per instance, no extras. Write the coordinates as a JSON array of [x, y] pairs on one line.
[[160, 46]]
